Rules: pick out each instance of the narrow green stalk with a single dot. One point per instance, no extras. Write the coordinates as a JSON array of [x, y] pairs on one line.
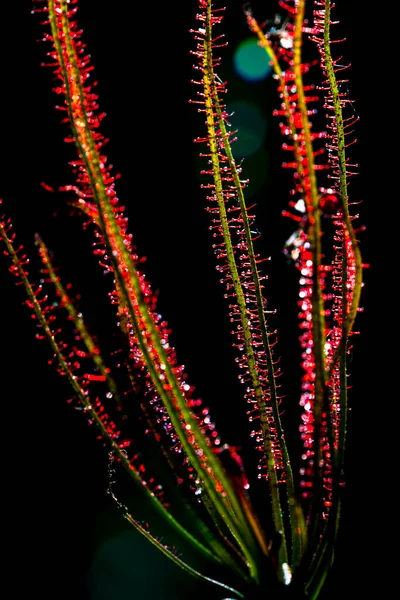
[[78, 321], [350, 312], [266, 44], [178, 561], [213, 110], [322, 557], [339, 455], [295, 510], [312, 191]]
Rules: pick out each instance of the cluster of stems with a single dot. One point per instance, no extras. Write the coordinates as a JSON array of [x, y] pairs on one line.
[[216, 515]]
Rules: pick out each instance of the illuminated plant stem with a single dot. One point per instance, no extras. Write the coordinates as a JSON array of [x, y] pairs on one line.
[[213, 110], [349, 312], [86, 403], [296, 516], [124, 268], [322, 559], [78, 321], [178, 561], [314, 231], [266, 44], [323, 554], [213, 541]]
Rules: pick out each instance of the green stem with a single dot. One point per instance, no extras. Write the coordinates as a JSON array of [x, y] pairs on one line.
[[266, 44], [348, 315], [213, 109], [78, 321], [350, 312], [178, 561], [295, 510], [322, 560]]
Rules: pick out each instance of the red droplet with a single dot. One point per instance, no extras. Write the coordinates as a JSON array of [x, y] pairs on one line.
[[91, 377], [47, 187], [329, 204]]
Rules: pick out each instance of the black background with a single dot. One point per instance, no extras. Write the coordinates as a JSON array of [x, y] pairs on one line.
[[56, 511]]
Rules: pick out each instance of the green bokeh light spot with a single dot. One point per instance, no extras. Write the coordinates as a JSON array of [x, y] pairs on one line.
[[251, 62]]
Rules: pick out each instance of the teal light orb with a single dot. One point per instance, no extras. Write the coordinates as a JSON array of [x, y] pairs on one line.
[[251, 62]]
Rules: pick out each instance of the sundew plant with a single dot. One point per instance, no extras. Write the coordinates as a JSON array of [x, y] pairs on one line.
[[269, 529]]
